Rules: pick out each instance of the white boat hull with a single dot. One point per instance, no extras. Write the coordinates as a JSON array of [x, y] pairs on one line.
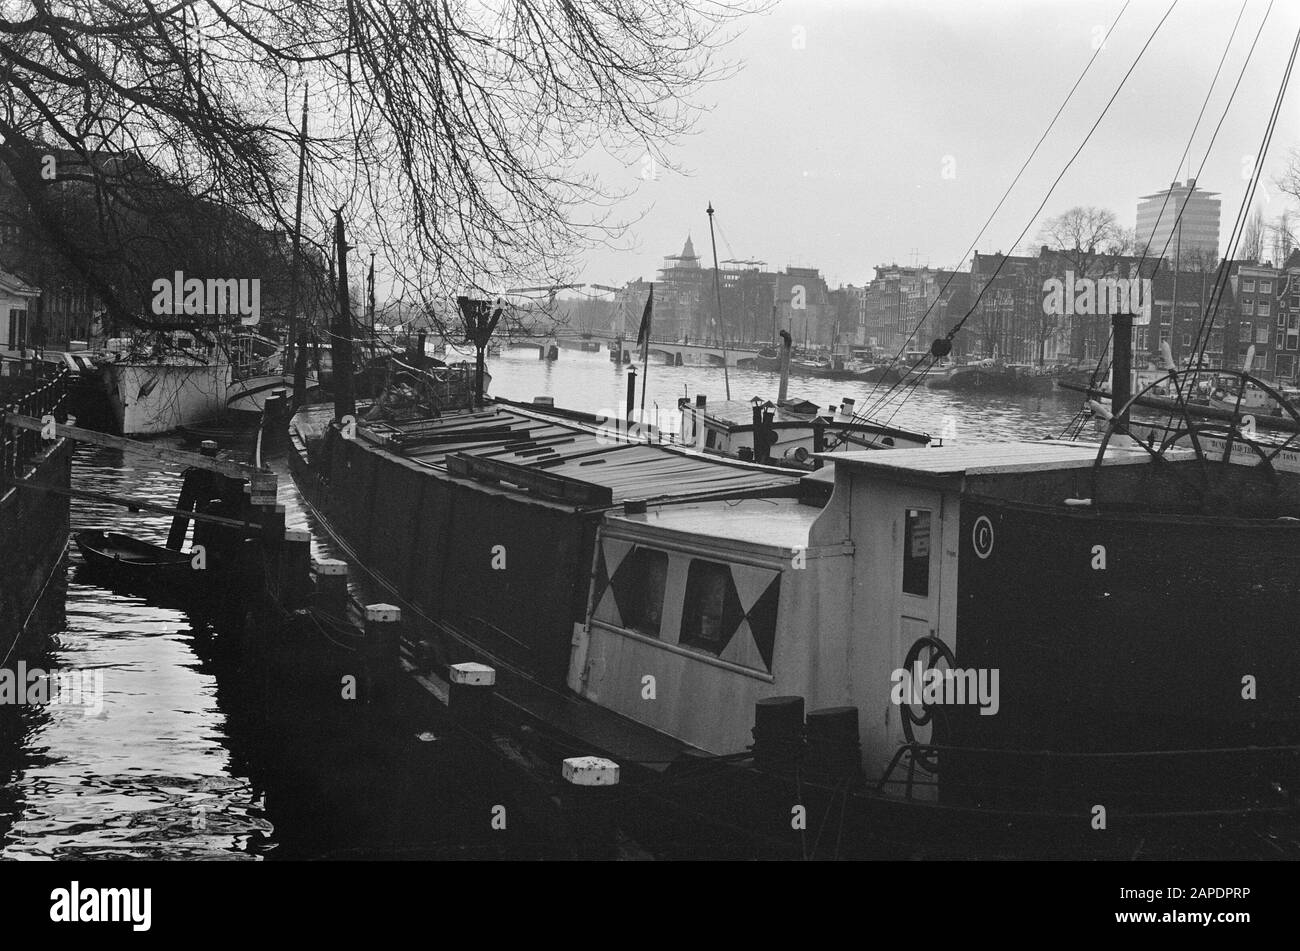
[[156, 398]]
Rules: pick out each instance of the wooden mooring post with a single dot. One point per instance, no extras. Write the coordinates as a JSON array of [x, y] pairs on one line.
[[469, 695], [294, 589], [331, 586], [383, 646], [589, 800]]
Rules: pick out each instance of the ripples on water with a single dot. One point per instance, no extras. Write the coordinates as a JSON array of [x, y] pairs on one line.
[[186, 761]]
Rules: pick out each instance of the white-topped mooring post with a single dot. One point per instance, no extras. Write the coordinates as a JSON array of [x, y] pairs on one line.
[[383, 653], [590, 771], [588, 801], [469, 694], [295, 568], [273, 519], [331, 585]]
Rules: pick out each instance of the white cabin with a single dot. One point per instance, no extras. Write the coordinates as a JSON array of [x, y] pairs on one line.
[[726, 603]]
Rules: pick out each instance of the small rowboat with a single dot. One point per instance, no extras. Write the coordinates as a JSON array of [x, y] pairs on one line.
[[134, 559], [223, 429]]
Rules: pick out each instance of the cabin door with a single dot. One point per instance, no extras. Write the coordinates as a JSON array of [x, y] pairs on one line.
[[919, 553]]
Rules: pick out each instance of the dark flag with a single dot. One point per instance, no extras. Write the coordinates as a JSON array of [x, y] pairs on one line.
[[643, 337]]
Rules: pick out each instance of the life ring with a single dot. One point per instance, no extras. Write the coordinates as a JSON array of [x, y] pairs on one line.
[[937, 650]]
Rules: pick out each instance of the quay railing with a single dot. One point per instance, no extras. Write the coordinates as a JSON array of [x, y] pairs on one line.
[[38, 393]]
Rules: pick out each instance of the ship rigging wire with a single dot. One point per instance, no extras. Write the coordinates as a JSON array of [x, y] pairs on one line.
[[1074, 427], [1222, 276], [1052, 188], [1007, 193], [1002, 262]]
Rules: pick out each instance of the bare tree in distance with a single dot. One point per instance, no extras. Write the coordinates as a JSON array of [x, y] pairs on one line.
[[1283, 237], [1251, 247], [455, 134]]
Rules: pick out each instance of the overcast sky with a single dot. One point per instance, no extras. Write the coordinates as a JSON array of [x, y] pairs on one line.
[[830, 147]]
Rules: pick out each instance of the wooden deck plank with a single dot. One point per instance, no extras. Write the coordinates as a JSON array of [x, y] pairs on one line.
[[180, 457]]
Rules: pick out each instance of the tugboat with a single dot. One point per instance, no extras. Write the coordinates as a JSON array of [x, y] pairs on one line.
[[787, 432]]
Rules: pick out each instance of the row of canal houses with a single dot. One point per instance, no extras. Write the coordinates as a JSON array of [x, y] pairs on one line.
[[46, 301], [1012, 318], [904, 307]]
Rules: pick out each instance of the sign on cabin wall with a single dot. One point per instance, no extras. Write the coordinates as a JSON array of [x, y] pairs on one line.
[[1288, 460]]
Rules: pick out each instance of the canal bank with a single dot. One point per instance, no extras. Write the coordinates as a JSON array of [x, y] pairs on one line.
[[201, 749], [33, 524]]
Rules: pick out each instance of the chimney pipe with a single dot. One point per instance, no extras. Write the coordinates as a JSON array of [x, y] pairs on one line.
[[786, 343], [1121, 365]]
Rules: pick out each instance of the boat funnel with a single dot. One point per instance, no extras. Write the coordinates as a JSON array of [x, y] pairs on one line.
[[786, 343]]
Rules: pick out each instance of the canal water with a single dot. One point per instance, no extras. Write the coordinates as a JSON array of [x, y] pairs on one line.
[[591, 381], [183, 754]]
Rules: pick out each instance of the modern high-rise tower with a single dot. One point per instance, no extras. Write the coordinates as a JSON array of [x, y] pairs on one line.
[[1192, 238]]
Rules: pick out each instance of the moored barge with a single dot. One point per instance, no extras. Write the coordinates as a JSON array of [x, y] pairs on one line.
[[1004, 636]]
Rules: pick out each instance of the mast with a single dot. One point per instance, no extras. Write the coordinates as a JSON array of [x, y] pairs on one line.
[[717, 290], [370, 304], [645, 354], [1178, 266], [289, 360], [776, 292], [345, 403]]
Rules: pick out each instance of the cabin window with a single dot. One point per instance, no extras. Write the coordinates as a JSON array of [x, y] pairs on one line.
[[17, 328], [642, 600], [711, 610], [916, 553]]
